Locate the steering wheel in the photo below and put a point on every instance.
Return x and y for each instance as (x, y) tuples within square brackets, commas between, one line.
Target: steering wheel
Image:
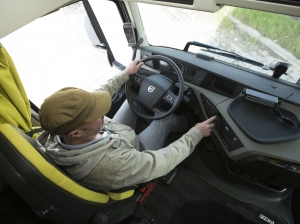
[(153, 90)]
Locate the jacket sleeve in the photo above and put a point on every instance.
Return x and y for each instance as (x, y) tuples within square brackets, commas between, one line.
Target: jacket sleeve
[(114, 84), (138, 167)]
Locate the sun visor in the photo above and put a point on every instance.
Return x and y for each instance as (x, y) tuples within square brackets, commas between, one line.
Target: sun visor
[(15, 14), (286, 7)]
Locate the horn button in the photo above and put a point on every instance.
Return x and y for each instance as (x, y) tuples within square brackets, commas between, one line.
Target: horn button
[(152, 89)]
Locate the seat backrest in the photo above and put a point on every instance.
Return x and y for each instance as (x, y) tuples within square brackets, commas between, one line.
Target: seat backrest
[(48, 190)]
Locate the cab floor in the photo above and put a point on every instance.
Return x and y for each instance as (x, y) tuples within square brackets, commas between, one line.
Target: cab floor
[(190, 199), (13, 210)]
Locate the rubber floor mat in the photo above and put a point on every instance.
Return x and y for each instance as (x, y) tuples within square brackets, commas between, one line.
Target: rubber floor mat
[(191, 199)]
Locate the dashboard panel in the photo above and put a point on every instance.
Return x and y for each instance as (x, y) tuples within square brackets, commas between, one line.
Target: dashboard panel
[(204, 79), (216, 85), (210, 73)]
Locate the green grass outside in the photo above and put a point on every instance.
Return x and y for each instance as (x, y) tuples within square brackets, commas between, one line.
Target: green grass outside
[(282, 28)]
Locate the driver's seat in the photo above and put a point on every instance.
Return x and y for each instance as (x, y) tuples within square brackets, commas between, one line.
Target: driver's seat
[(51, 193), (48, 190)]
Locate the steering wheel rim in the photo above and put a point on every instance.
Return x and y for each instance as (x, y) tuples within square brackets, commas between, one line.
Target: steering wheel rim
[(163, 92)]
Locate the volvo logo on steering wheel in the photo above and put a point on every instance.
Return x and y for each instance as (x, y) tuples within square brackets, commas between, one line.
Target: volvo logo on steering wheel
[(151, 89)]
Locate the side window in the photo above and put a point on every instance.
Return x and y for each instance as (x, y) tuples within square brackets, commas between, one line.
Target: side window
[(48, 56), (111, 24), (80, 24)]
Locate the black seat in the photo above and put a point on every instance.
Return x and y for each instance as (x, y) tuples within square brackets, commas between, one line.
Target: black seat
[(51, 193), (48, 190)]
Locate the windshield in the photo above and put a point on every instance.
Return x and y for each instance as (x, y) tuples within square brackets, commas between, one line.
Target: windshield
[(267, 38)]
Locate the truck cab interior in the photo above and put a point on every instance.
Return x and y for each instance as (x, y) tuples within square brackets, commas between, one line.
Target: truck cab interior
[(237, 60)]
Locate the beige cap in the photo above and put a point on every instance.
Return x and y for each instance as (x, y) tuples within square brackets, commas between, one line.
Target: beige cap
[(69, 108)]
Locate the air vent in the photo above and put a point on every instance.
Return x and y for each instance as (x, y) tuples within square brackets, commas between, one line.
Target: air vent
[(284, 2), (184, 2)]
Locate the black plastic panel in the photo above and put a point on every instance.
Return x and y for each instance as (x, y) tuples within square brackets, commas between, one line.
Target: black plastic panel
[(260, 124), (224, 131), (258, 169)]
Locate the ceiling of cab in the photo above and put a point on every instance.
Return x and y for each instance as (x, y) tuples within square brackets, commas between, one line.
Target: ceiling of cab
[(15, 14)]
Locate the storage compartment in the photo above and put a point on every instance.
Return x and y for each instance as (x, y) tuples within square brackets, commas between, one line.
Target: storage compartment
[(267, 172)]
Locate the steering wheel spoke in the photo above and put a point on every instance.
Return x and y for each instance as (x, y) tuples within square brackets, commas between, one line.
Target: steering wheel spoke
[(170, 97), (137, 78), (157, 111)]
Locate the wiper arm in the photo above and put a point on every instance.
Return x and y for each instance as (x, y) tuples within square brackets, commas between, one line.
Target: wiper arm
[(227, 54), (195, 43)]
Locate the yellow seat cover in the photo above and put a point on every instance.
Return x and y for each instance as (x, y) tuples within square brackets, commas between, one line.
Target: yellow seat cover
[(14, 104)]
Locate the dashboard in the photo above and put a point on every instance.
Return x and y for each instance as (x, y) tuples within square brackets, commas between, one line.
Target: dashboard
[(248, 138), (221, 77)]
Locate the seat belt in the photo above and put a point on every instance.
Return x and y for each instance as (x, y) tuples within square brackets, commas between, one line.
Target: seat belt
[(118, 96), (33, 131), (34, 107)]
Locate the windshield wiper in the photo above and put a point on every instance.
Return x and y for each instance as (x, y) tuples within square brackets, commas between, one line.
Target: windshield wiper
[(227, 54), (240, 58)]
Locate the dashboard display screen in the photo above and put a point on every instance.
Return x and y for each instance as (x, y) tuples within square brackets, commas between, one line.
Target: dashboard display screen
[(224, 85)]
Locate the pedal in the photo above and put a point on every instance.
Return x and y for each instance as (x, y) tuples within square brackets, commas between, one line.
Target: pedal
[(167, 179)]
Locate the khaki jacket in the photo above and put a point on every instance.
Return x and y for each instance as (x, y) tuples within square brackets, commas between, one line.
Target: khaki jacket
[(115, 161)]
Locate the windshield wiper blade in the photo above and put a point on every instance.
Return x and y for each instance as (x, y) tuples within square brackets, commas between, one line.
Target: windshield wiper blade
[(240, 58), (227, 54)]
